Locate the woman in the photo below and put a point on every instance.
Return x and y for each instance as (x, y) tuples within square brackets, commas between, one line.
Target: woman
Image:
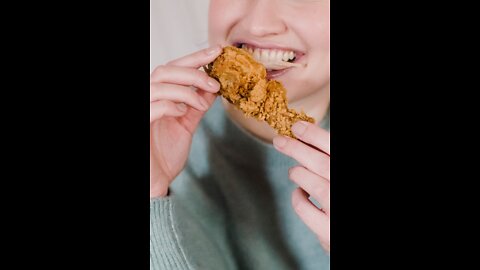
[(223, 187)]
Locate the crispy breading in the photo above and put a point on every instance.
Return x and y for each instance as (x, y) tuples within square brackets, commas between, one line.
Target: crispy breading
[(244, 83)]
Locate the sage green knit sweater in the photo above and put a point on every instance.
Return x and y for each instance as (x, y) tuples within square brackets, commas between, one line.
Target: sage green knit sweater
[(230, 208)]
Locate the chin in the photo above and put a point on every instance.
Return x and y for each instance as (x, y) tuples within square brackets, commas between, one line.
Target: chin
[(293, 96), (293, 91)]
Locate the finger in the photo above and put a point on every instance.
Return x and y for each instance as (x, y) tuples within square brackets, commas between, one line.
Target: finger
[(198, 59), (325, 243), (184, 76), (162, 108), (315, 185), (193, 117), (178, 93), (315, 219), (312, 134), (314, 160)]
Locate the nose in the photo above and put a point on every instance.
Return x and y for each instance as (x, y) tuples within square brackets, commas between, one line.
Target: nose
[(263, 19)]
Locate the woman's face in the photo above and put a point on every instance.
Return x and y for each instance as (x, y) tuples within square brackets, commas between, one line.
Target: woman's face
[(301, 26)]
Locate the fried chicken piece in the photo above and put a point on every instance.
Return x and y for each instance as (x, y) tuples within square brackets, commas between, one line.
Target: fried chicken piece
[(244, 84)]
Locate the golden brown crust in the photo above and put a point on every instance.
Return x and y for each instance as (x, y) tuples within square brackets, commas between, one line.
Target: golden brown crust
[(244, 84)]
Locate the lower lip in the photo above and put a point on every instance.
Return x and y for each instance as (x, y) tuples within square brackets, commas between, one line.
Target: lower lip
[(276, 73)]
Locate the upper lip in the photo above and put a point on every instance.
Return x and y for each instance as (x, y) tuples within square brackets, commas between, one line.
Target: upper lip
[(268, 45)]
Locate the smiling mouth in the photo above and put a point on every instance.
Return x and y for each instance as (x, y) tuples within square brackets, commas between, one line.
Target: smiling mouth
[(272, 59)]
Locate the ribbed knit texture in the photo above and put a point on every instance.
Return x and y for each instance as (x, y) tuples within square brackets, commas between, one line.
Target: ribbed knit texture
[(165, 250), (230, 208)]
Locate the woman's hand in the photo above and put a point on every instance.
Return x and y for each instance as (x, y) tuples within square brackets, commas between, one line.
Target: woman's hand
[(180, 94), (312, 151)]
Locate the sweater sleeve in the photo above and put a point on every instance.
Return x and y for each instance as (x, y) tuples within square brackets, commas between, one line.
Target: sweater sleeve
[(165, 249), (187, 230)]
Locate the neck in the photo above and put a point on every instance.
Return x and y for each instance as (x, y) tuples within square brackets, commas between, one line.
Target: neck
[(315, 105)]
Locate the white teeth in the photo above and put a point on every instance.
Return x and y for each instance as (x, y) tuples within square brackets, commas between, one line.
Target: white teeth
[(268, 55), (278, 56), (272, 55), (264, 55), (256, 54)]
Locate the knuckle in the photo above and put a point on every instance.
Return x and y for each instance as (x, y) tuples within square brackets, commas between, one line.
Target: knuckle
[(308, 129), (154, 91), (326, 170), (152, 94), (191, 98), (157, 72), (287, 146), (160, 105), (200, 79), (321, 165), (153, 87), (298, 204), (159, 69), (165, 104), (298, 207), (322, 190), (171, 62), (295, 172), (157, 111), (292, 172)]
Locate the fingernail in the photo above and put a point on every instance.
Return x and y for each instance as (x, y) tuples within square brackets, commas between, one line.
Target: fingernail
[(213, 50), (213, 84), (182, 107), (204, 103), (279, 141), (299, 128)]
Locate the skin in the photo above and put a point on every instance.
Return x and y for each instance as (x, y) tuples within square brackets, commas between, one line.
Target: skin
[(303, 25), (299, 24)]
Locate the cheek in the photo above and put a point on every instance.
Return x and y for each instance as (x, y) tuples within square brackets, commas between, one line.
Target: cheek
[(316, 36), (216, 17), (314, 30), (304, 83), (222, 16)]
